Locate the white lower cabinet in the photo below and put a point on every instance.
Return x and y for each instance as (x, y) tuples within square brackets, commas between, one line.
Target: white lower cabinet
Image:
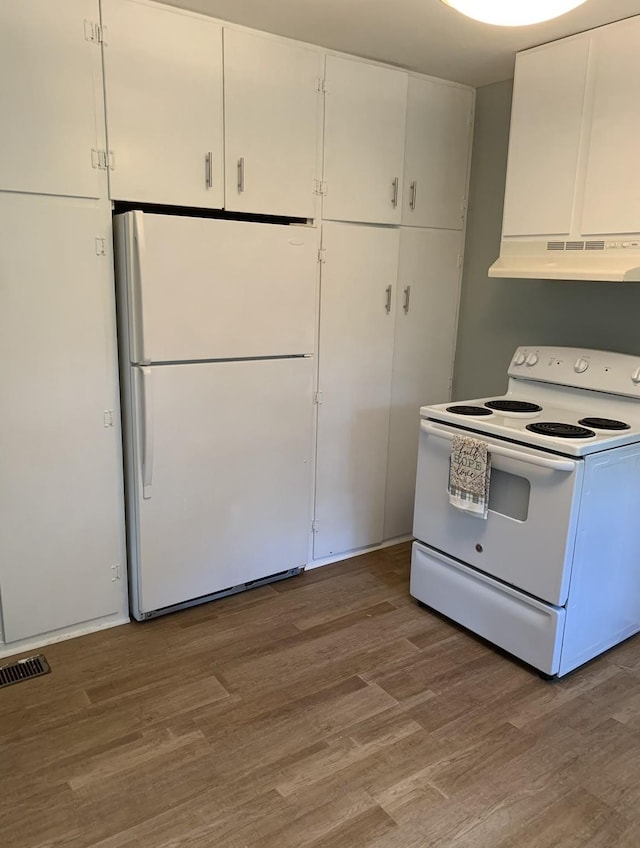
[(62, 558), (425, 332), (357, 305), (388, 311)]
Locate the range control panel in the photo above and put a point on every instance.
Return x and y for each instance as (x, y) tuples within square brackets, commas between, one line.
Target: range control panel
[(598, 370)]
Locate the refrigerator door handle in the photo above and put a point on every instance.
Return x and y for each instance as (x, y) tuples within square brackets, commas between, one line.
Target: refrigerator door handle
[(136, 300), (147, 432)]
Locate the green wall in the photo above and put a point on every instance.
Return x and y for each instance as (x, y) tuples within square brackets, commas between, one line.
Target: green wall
[(498, 315)]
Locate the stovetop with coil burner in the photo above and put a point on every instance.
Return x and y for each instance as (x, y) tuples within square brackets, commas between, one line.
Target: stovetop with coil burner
[(563, 400)]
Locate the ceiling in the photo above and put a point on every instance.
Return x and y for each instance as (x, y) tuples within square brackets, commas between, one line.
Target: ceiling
[(422, 35)]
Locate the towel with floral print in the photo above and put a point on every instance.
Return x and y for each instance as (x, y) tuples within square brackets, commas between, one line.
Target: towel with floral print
[(470, 476)]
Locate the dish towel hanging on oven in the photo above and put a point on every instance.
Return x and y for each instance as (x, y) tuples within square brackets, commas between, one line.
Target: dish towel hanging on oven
[(470, 476)]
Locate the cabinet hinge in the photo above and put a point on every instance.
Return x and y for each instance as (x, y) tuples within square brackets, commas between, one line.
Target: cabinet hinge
[(319, 187), (460, 261), (93, 32), (115, 573), (322, 254), (108, 418), (315, 525), (101, 246), (104, 160), (321, 85), (317, 398)]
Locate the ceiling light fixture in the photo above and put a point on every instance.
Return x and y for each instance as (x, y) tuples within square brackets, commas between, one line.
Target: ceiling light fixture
[(508, 13)]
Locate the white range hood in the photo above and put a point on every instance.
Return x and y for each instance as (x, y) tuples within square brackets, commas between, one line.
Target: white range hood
[(604, 259)]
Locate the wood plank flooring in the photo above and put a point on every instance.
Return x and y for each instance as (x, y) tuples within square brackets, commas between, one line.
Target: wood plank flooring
[(326, 711)]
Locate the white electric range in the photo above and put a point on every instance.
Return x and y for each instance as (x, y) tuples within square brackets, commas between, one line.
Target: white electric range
[(553, 574)]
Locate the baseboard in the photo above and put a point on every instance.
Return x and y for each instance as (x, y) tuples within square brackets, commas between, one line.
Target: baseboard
[(388, 543), (45, 639)]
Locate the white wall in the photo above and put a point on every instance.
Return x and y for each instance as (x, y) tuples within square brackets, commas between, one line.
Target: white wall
[(498, 315)]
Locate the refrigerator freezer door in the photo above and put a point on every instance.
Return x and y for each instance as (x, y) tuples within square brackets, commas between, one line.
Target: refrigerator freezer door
[(202, 289), (228, 497)]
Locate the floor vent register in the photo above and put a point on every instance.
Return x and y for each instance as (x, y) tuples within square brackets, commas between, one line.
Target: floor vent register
[(24, 669)]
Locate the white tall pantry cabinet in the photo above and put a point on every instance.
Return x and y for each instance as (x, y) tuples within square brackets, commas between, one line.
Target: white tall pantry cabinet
[(389, 301), (356, 353), (61, 522), (62, 556), (198, 114), (426, 313)]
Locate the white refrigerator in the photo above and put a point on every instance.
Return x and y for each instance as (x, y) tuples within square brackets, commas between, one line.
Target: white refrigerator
[(217, 331)]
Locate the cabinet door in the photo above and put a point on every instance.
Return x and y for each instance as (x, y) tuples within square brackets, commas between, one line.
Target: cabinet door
[(163, 77), (425, 334), (356, 350), (612, 200), (51, 98), (271, 115), (436, 164), (364, 128), (546, 124), (61, 510)]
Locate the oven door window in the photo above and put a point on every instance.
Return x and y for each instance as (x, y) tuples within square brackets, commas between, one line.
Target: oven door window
[(509, 495)]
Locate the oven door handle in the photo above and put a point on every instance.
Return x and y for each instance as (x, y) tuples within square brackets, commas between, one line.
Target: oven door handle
[(542, 461)]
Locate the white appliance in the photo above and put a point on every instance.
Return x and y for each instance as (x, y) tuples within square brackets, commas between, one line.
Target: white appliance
[(217, 330), (553, 574), (613, 259)]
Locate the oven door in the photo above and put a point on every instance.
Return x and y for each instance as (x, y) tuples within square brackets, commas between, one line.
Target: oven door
[(528, 537)]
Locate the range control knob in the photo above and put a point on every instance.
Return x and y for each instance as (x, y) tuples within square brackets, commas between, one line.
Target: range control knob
[(532, 359), (519, 358), (636, 376), (581, 365)]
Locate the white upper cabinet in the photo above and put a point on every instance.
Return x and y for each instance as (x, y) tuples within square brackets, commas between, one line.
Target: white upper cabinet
[(544, 145), (272, 113), (364, 131), (611, 196), (436, 164), (163, 76), (51, 98)]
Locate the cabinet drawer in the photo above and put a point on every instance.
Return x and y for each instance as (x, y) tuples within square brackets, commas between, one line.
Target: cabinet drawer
[(524, 627)]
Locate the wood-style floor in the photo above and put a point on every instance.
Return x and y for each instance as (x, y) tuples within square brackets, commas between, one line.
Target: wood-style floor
[(326, 710)]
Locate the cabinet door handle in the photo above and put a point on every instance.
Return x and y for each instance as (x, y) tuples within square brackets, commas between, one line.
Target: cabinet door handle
[(407, 297), (414, 192), (387, 306), (395, 185), (241, 175), (209, 169)]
